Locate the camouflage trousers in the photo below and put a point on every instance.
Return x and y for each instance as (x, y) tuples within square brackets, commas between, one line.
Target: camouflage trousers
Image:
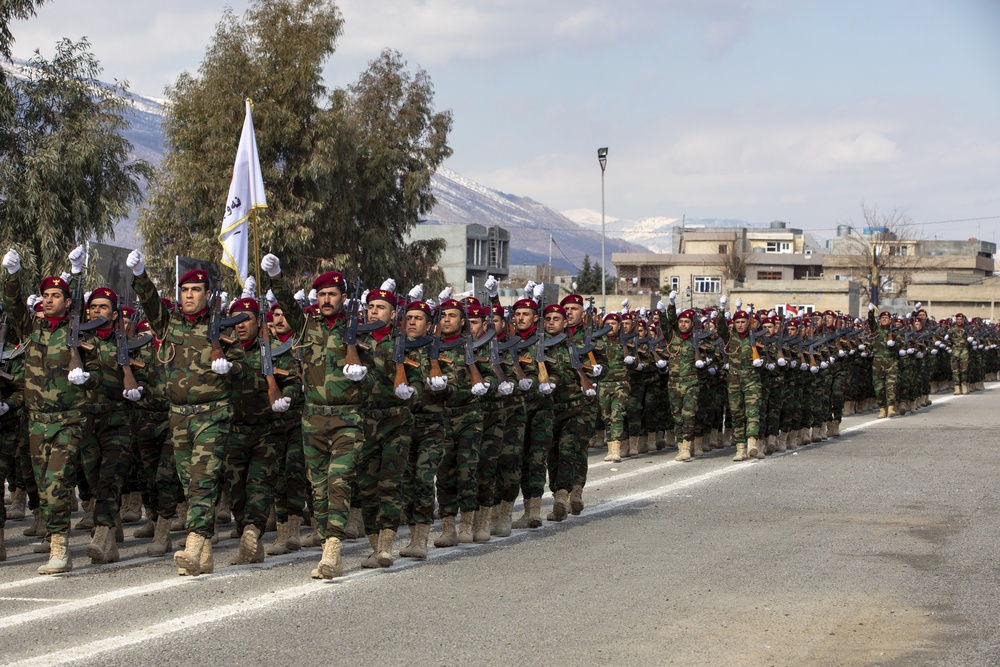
[(332, 436), (773, 397), (511, 452), (744, 403), (885, 373), (250, 473), (684, 392), (10, 432), (291, 489), (106, 454), (487, 473), (838, 376), (587, 426), (537, 442), (959, 365), (163, 487), (54, 441), (567, 440), (423, 460), (457, 486), (652, 407), (382, 465), (199, 434), (613, 397), (633, 408), (820, 397)]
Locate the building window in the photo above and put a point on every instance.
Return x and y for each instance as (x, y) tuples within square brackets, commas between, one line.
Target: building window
[(769, 275), (707, 284), (842, 276), (778, 246), (675, 283), (723, 249)]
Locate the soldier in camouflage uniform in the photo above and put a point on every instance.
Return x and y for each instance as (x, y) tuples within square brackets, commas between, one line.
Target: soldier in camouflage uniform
[(56, 398), (332, 425), (199, 388), (682, 353), (11, 413), (885, 364), (744, 389), (613, 388), (958, 340)]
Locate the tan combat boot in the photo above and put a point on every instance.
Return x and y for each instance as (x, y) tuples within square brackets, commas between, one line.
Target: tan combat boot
[(642, 444), (87, 521), (448, 536), (599, 439), (131, 511), (147, 529), (481, 526), (965, 388), (18, 505), (330, 564), (782, 444), (727, 438), (741, 452), (188, 561), (683, 451), (770, 444), (280, 545), (417, 548), (37, 527), (633, 445), (614, 451), (179, 522), (834, 429), (715, 439), (386, 537), (560, 506), (848, 408), (890, 411), (503, 525), (465, 530), (882, 413), (251, 549), (223, 514), (660, 440), (535, 513), (355, 526), (752, 449), (98, 544), (576, 500), (292, 539), (958, 389), (697, 448), (671, 439), (59, 557), (372, 560), (161, 538), (311, 538), (522, 522), (405, 551)]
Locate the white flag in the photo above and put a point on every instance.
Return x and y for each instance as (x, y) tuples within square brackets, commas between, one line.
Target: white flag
[(246, 193)]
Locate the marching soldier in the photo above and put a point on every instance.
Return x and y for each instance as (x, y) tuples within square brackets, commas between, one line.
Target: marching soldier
[(744, 380), (885, 365)]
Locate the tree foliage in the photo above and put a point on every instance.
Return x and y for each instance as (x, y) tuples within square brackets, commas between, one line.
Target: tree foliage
[(887, 247), (10, 10), (346, 172), (588, 281), (66, 174)]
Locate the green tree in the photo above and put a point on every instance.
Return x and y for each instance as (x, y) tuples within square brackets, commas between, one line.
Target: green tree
[(66, 174), (584, 281), (10, 10), (346, 172)]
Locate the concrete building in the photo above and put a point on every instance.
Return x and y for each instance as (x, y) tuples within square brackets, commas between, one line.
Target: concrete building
[(472, 252), (801, 296)]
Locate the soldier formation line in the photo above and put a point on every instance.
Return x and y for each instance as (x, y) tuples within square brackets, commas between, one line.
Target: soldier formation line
[(348, 413)]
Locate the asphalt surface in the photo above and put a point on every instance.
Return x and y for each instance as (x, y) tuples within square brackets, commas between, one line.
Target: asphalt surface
[(876, 548)]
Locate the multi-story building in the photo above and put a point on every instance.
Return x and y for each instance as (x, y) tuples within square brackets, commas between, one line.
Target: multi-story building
[(472, 252)]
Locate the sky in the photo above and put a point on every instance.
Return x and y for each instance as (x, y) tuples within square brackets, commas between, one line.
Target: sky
[(759, 110)]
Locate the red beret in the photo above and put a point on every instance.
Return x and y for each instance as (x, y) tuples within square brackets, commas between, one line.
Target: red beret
[(269, 316), (686, 314), (143, 327), (451, 304), (167, 302), (886, 313), (194, 276), (330, 279), (554, 308), (957, 315), (741, 315), (477, 310), (53, 282), (128, 311), (422, 306), (471, 301), (829, 312), (311, 310), (381, 295), (37, 307), (498, 310), (572, 298), (628, 316), (612, 316), (104, 293), (244, 304), (526, 303)]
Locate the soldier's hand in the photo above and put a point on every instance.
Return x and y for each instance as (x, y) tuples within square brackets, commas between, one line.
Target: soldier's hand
[(32, 300), (871, 307), (355, 373), (529, 289), (770, 366), (444, 294), (722, 300), (589, 392), (281, 405), (221, 366), (660, 306), (132, 394), (404, 392), (505, 388), (814, 369), (625, 304), (539, 291), (629, 360), (492, 286), (480, 389), (640, 366), (4, 408), (824, 365), (417, 293), (312, 296), (271, 265), (891, 343), (597, 370), (78, 376), (661, 363), (300, 295), (437, 383), (77, 256), (12, 261), (545, 388), (134, 261), (525, 384), (249, 288), (672, 297), (757, 363), (698, 363), (782, 362), (916, 308)]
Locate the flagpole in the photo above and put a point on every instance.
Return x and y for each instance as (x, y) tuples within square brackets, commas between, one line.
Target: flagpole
[(256, 252)]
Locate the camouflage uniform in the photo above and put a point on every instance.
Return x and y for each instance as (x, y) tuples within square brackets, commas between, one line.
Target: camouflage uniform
[(568, 433), (885, 366), (11, 393), (493, 407), (509, 458), (457, 486), (613, 389), (291, 486), (684, 384), (958, 340), (426, 447), (152, 438), (537, 432), (743, 380)]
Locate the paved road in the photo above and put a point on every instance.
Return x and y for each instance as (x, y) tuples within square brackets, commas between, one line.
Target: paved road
[(877, 548)]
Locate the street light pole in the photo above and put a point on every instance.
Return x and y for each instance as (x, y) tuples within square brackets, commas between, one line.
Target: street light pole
[(602, 157)]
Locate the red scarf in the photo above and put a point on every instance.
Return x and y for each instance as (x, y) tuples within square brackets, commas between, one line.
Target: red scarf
[(379, 334), (54, 321)]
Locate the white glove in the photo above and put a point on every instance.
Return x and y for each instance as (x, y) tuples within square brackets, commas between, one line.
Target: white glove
[(12, 261), (672, 297), (249, 288), (642, 311), (699, 363), (910, 350), (300, 295), (389, 285), (861, 346), (480, 389), (545, 388), (891, 343), (589, 392), (4, 408), (770, 366), (947, 336), (32, 300), (840, 353), (270, 264), (917, 306), (539, 291), (505, 388), (78, 376), (852, 352), (445, 294), (934, 351), (281, 405), (629, 360), (814, 369), (625, 305), (135, 262), (132, 394), (525, 384), (437, 383), (77, 256), (529, 288), (417, 293), (221, 366), (722, 300), (871, 307), (970, 339), (920, 355), (597, 370), (355, 373), (364, 296), (782, 362), (404, 392), (739, 303), (757, 363), (312, 296), (823, 364), (660, 306), (661, 363), (902, 353), (640, 366), (492, 286), (712, 370)]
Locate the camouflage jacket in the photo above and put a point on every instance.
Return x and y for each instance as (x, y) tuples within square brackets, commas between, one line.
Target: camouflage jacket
[(251, 404), (611, 355), (681, 349), (958, 338), (738, 348), (561, 373), (459, 392), (151, 377), (383, 374), (108, 394), (880, 337), (424, 401), (186, 353), (287, 372), (46, 359), (12, 391)]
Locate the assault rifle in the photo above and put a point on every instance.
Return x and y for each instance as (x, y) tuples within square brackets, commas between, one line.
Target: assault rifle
[(121, 348), (217, 322), (3, 344), (543, 372), (399, 342), (267, 357), (76, 326), (494, 350)]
